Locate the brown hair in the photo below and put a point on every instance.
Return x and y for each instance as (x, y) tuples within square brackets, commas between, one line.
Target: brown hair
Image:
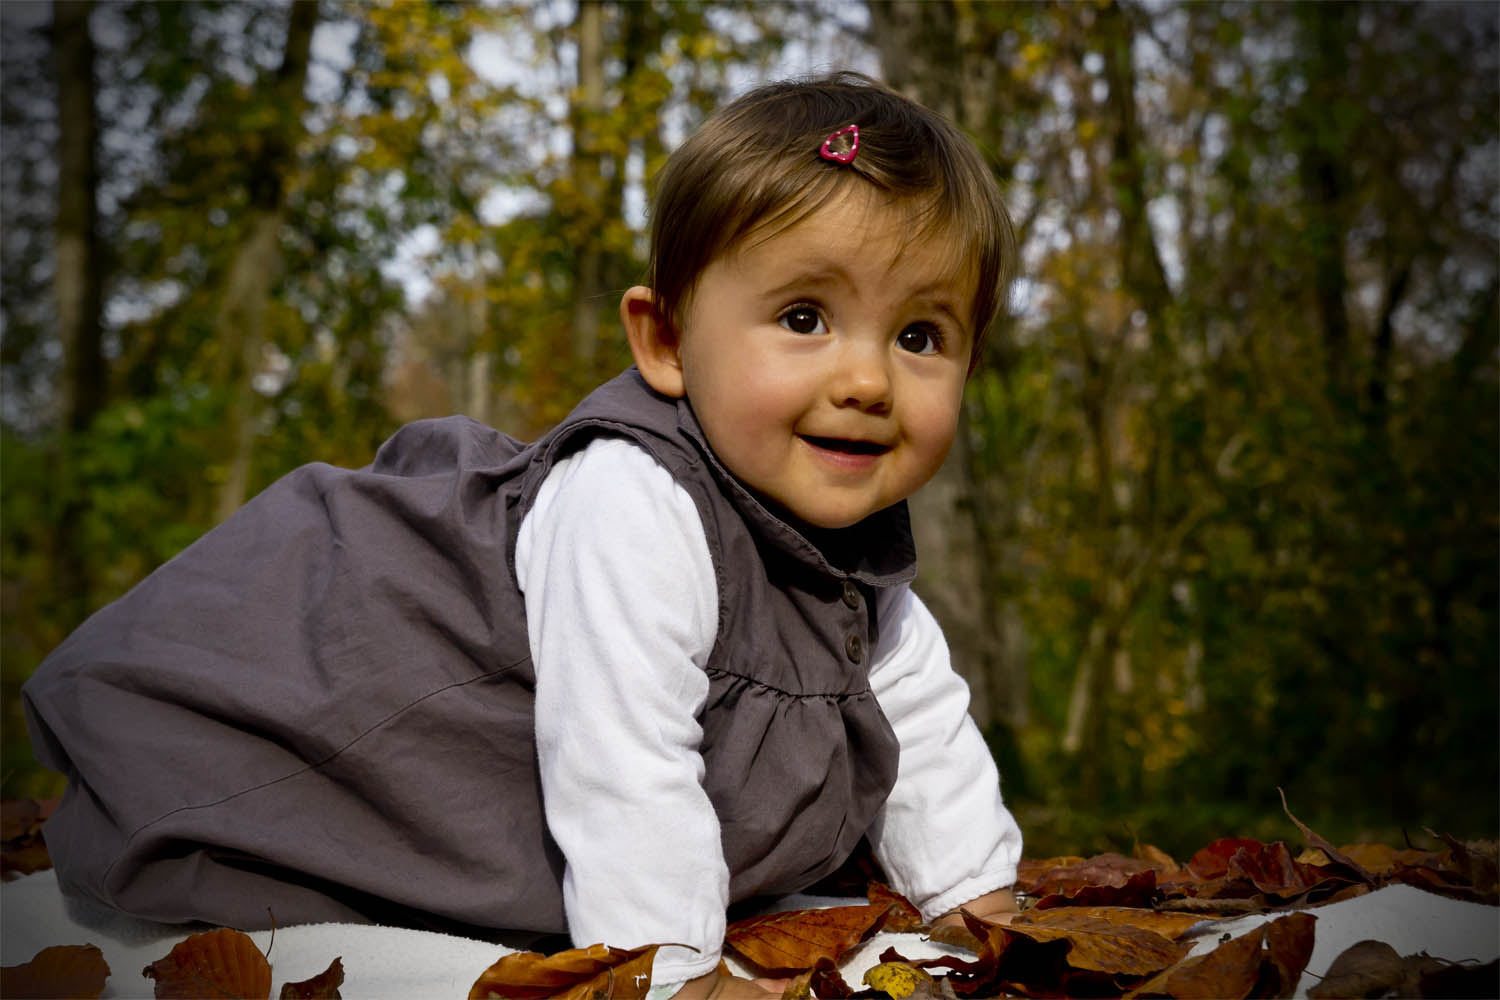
[(755, 165)]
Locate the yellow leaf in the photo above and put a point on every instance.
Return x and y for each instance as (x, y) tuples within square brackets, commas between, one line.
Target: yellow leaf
[(897, 980)]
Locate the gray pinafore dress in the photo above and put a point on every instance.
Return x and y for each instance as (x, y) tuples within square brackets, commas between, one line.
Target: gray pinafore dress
[(323, 708)]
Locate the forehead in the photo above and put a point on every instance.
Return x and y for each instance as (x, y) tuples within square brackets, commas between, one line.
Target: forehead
[(863, 230)]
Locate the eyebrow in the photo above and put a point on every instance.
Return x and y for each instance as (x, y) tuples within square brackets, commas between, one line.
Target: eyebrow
[(830, 274)]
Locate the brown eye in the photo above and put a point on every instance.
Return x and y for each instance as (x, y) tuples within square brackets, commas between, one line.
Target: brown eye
[(919, 338), (802, 319)]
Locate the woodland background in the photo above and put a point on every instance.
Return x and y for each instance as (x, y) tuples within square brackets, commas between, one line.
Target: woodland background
[(1223, 515)]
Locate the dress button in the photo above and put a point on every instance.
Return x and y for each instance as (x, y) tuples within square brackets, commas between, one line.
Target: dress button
[(854, 646), (851, 594)]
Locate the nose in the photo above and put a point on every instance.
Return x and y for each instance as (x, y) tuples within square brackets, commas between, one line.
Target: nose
[(863, 380)]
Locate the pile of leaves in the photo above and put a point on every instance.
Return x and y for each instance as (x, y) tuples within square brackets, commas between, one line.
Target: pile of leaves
[(1109, 925), (216, 963)]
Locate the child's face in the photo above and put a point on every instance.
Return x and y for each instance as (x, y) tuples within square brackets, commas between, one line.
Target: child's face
[(826, 364)]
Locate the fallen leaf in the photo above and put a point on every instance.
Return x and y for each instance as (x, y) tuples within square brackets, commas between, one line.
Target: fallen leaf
[(1478, 862), (1101, 870), (1213, 861), (324, 986), (1169, 925), (798, 987), (1289, 946), (77, 970), (577, 974), (1334, 854), (900, 916), (1368, 968), (797, 939), (1213, 906), (898, 980), (955, 936), (827, 983), (1458, 979), (217, 963), (1380, 859), (22, 847), (1265, 962), (1229, 972), (1030, 872), (1167, 868), (1138, 889), (1100, 946)]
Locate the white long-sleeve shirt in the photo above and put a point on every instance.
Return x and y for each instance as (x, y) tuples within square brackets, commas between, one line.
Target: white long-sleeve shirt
[(622, 612)]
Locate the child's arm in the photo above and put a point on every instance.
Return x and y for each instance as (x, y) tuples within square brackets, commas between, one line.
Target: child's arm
[(612, 560), (944, 835)]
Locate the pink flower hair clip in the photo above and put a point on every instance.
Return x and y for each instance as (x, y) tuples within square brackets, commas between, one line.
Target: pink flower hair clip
[(842, 146)]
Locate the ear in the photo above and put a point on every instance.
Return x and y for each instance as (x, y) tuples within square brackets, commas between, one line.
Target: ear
[(654, 344)]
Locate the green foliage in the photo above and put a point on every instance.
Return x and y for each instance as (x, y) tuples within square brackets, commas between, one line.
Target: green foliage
[(1258, 497), (1238, 444)]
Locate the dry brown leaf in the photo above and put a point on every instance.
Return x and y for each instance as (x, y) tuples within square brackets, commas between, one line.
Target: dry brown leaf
[(1214, 906), (1461, 979), (77, 971), (217, 963), (1374, 968), (1167, 868), (1337, 856), (22, 847), (955, 936), (324, 986), (1101, 870), (798, 987), (1369, 968), (1213, 861), (1099, 945), (1029, 873), (1381, 859), (900, 916), (827, 983), (1478, 862), (1289, 946), (1265, 962), (796, 939), (597, 970), (1138, 889), (1229, 972), (1169, 925)]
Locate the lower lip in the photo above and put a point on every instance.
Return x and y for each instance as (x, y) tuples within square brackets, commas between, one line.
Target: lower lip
[(851, 461)]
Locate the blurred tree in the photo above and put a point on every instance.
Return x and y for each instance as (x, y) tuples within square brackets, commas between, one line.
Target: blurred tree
[(255, 261), (78, 278), (1222, 515), (1205, 457)]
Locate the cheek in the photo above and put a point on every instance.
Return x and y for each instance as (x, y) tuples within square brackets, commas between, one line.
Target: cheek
[(932, 429)]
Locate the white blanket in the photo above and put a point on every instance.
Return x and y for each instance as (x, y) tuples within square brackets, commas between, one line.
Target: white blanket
[(403, 964)]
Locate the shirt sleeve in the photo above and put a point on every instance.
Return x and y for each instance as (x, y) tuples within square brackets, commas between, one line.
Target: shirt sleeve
[(622, 612), (944, 835)]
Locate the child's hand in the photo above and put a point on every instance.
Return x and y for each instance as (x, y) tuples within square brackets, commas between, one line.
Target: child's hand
[(716, 987), (998, 907)]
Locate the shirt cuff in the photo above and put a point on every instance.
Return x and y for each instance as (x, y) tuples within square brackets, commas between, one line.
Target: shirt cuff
[(967, 891), (678, 964)]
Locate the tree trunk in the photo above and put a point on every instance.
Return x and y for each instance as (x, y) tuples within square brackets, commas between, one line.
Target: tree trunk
[(1325, 177), (256, 264), (78, 282), (77, 286), (929, 51), (588, 256)]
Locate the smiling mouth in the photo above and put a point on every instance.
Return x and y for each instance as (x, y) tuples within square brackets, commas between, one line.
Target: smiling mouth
[(847, 447)]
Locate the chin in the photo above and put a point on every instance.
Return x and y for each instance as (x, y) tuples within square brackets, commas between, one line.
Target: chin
[(831, 520)]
